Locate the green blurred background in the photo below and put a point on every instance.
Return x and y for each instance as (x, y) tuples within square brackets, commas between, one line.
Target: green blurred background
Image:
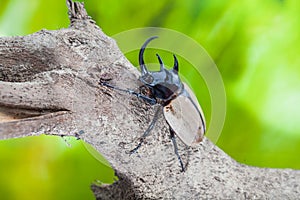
[(255, 45)]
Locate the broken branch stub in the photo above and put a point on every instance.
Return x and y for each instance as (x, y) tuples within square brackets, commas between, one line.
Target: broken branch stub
[(49, 85)]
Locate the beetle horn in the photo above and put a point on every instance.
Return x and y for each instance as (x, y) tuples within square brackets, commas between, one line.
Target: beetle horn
[(141, 56), (162, 67), (176, 66)]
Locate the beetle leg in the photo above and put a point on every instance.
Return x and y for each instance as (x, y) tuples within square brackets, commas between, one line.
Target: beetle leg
[(150, 100), (147, 132), (176, 148)]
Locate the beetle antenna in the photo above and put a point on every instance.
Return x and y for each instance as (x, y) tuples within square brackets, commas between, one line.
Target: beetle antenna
[(162, 67), (176, 66), (141, 55)]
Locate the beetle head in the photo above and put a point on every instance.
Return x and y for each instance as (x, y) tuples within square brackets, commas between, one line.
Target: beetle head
[(164, 84)]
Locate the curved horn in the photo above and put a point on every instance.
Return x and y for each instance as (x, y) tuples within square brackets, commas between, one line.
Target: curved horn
[(176, 66), (141, 56), (162, 67)]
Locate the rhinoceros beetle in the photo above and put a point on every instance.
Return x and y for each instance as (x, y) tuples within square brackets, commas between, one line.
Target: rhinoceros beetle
[(179, 105)]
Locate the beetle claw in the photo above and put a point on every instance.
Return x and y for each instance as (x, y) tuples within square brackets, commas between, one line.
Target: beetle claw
[(102, 80)]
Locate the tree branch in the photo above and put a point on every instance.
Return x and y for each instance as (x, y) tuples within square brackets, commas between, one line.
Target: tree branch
[(49, 84)]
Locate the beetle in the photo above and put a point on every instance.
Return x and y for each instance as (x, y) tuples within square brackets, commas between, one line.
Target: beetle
[(178, 103)]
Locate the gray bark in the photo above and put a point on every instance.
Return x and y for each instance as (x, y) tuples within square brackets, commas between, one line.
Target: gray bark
[(49, 85)]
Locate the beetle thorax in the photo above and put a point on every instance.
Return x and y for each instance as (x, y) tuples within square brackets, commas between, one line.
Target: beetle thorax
[(164, 85)]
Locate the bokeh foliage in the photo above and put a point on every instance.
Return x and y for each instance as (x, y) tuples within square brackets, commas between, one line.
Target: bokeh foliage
[(49, 167), (255, 45)]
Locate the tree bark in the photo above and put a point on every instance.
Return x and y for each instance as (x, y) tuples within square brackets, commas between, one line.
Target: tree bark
[(49, 85)]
